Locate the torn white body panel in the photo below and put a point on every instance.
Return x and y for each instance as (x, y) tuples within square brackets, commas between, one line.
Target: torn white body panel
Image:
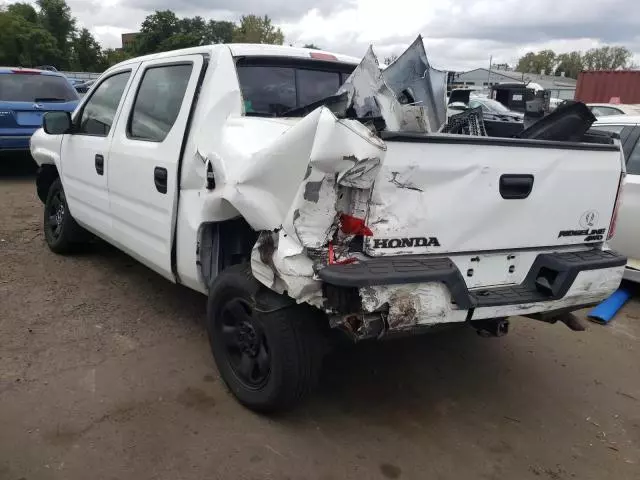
[(263, 184)]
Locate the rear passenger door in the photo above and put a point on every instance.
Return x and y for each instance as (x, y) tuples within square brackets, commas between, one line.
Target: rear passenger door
[(144, 158)]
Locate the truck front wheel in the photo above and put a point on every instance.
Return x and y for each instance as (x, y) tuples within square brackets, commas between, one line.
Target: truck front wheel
[(61, 231), (268, 351)]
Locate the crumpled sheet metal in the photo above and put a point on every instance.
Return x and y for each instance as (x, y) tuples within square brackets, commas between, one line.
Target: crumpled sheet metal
[(291, 178), (291, 189), (411, 71), (279, 262), (412, 305), (373, 92)]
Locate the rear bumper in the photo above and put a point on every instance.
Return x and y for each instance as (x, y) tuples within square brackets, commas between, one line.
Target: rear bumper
[(414, 286), (632, 275), (14, 142)]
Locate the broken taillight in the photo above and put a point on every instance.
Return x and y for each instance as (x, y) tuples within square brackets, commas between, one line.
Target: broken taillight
[(614, 217), (332, 257), (351, 225)]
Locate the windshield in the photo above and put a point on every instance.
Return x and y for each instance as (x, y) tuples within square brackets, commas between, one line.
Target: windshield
[(35, 87), (273, 90), (493, 105)]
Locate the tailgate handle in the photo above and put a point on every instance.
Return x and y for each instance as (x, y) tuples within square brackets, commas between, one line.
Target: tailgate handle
[(515, 186)]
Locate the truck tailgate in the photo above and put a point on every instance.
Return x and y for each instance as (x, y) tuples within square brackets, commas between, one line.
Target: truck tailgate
[(447, 194)]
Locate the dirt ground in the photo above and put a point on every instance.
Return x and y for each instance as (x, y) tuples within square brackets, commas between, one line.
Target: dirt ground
[(105, 373)]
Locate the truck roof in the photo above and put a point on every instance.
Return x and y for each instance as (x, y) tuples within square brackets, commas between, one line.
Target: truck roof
[(251, 50)]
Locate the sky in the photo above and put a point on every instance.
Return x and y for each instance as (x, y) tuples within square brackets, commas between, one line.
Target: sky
[(458, 34)]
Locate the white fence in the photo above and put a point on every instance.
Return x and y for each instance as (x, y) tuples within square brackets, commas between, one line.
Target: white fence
[(81, 75)]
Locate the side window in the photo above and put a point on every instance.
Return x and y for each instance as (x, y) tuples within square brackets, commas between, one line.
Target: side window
[(622, 130), (476, 104), (158, 101), (633, 163), (98, 113), (605, 111)]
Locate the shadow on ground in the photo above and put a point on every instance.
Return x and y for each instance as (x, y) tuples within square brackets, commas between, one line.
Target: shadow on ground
[(16, 165)]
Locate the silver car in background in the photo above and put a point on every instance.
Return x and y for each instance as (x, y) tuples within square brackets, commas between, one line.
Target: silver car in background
[(627, 238)]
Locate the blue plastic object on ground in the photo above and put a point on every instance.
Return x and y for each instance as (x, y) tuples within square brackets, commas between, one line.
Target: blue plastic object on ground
[(608, 308)]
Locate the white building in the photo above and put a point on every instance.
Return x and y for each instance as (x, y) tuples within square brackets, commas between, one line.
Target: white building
[(481, 79)]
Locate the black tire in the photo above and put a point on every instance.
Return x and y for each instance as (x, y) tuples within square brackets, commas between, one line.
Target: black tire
[(61, 232), (276, 366)]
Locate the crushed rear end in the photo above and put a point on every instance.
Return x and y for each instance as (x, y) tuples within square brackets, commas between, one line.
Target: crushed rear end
[(371, 215)]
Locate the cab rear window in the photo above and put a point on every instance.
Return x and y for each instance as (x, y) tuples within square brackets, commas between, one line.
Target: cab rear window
[(273, 89)]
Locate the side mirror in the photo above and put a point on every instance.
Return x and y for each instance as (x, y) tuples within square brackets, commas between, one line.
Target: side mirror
[(56, 123)]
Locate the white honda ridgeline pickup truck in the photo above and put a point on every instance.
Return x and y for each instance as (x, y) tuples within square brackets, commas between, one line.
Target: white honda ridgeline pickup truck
[(313, 195)]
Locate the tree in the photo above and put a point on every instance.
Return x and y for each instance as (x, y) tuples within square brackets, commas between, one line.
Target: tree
[(254, 29), (23, 43), (163, 30), (219, 32), (607, 58), (55, 17), (541, 62), (156, 29), (24, 10), (111, 56), (571, 64), (87, 54)]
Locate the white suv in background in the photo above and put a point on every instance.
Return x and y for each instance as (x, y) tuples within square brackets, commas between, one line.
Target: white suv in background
[(608, 109), (627, 238)]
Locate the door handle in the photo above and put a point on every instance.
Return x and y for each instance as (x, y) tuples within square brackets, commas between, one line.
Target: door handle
[(99, 164), (515, 186), (160, 179)]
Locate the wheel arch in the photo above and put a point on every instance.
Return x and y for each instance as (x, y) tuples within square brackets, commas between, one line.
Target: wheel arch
[(45, 176), (222, 244)]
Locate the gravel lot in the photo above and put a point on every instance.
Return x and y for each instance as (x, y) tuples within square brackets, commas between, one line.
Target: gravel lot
[(105, 373)]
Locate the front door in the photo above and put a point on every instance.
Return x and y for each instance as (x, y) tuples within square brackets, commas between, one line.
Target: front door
[(84, 153), (144, 158)]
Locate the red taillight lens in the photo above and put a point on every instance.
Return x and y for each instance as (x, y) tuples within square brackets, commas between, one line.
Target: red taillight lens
[(24, 71), (323, 56), (614, 217), (354, 226)]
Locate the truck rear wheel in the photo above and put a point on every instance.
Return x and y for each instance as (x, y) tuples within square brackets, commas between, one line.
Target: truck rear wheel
[(61, 232), (268, 351)]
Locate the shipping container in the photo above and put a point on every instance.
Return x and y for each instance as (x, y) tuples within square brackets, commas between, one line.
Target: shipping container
[(602, 86)]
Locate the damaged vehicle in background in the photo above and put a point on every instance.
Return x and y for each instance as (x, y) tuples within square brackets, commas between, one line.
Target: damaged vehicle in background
[(311, 195), (499, 121)]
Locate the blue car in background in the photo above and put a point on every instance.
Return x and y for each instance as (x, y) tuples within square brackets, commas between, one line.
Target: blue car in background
[(25, 96)]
